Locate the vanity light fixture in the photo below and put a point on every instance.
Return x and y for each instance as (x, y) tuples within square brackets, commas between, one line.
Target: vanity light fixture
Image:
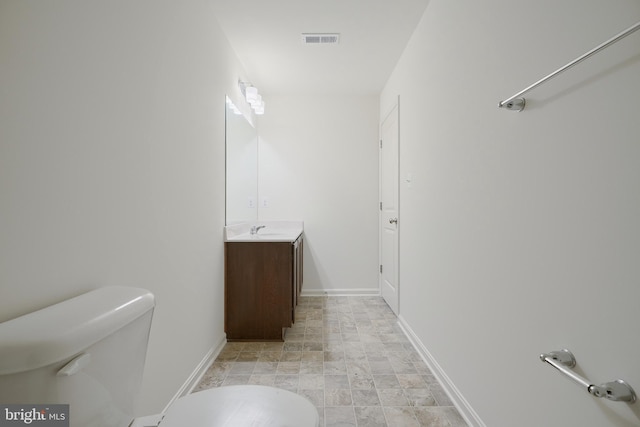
[(252, 96)]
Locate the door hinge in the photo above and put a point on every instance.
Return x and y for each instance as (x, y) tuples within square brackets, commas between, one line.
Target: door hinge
[(380, 205), (380, 268), (380, 143)]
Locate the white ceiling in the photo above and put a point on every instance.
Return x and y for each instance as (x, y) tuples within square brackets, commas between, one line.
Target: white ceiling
[(266, 35)]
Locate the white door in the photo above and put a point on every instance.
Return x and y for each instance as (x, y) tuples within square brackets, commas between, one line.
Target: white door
[(389, 209)]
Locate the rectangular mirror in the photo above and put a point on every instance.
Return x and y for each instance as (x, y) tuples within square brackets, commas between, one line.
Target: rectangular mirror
[(241, 167)]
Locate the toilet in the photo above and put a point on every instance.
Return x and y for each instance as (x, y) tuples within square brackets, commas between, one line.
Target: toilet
[(89, 352)]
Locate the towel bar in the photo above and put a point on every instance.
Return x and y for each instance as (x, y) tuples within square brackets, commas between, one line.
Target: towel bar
[(563, 360), (515, 103)]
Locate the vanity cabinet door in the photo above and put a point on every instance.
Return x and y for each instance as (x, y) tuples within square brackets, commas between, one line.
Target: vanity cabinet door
[(294, 277), (299, 264), (296, 289), (263, 281), (258, 284)]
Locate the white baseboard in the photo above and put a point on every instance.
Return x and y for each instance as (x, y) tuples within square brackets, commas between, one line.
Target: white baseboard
[(467, 412), (198, 372), (362, 292)]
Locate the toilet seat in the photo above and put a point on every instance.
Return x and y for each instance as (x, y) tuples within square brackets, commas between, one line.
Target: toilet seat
[(240, 406)]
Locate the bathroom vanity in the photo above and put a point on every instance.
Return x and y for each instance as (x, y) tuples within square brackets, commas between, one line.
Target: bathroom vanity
[(263, 279)]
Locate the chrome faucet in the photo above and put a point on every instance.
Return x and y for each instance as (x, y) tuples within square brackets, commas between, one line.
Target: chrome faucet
[(256, 228)]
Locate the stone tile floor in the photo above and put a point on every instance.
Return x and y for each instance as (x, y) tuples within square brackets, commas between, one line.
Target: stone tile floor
[(349, 357)]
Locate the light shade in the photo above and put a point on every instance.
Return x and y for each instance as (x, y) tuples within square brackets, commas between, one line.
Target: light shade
[(251, 93), (254, 99)]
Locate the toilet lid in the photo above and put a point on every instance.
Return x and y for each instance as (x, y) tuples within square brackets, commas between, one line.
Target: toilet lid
[(240, 406)]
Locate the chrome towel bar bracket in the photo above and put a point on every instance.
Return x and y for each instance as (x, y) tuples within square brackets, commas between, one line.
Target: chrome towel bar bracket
[(563, 361)]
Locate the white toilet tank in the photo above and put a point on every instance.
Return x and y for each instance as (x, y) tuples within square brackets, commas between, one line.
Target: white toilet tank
[(88, 352)]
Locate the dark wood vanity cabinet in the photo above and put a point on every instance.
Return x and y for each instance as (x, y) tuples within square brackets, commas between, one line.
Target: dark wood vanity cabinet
[(263, 281)]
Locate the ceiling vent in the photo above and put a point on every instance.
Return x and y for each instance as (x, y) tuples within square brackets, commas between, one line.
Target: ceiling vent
[(320, 38)]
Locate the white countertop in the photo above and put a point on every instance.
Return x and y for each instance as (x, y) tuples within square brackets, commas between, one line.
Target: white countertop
[(273, 231)]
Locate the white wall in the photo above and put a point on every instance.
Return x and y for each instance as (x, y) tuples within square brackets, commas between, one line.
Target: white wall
[(318, 163), (112, 165), (520, 234)]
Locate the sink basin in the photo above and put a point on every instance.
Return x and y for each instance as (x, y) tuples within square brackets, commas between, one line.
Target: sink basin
[(275, 231), (278, 236)]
